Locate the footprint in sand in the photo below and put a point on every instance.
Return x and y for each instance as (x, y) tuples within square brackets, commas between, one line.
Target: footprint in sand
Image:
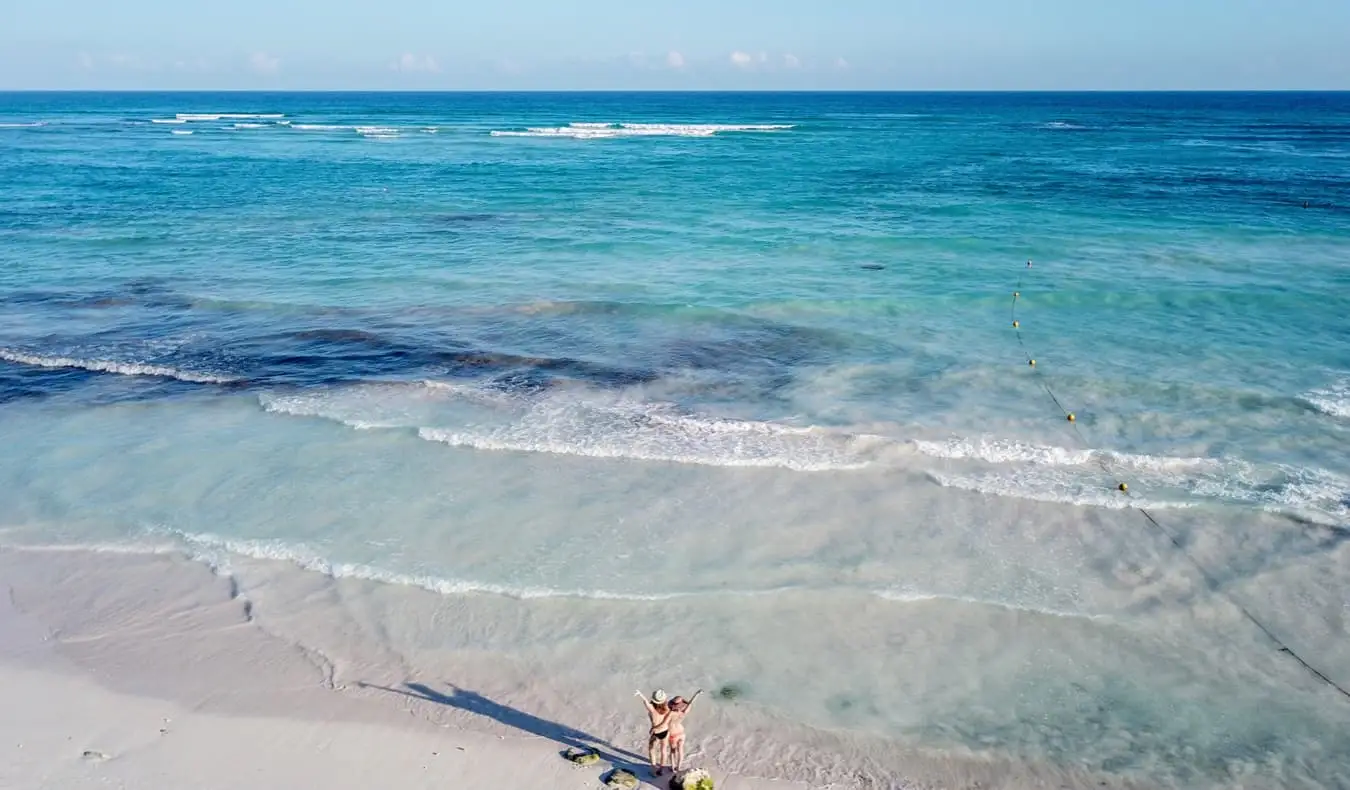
[(95, 756)]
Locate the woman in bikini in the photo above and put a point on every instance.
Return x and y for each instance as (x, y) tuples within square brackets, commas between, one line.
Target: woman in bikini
[(679, 708), (660, 713)]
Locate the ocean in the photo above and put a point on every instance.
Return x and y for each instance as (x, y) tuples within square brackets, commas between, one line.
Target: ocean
[(724, 389)]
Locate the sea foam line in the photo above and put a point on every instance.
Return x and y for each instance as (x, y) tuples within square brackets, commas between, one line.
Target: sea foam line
[(1047, 491), (588, 131), (214, 551), (107, 366), (1005, 451), (207, 548), (618, 451), (901, 595), (569, 425), (232, 116)]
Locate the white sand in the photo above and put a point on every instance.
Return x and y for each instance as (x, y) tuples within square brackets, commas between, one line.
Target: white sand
[(225, 705)]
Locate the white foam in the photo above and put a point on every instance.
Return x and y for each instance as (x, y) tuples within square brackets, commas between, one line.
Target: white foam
[(377, 132), (181, 131), (1319, 495), (1005, 451), (1063, 125), (250, 126), (906, 595), (29, 125), (1057, 490), (587, 424), (108, 366), (211, 549), (1333, 400), (591, 131), (96, 548), (231, 116), (173, 121)]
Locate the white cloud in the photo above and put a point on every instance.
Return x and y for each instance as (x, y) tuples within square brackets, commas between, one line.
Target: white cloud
[(791, 61), (741, 59), (411, 64), (85, 60), (675, 60), (840, 63), (263, 63)]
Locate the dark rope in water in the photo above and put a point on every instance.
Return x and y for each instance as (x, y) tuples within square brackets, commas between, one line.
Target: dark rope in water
[(1211, 582)]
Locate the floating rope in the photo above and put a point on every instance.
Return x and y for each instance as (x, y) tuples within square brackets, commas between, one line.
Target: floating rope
[(1212, 583)]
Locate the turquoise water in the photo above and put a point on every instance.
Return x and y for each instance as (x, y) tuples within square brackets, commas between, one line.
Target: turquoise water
[(447, 341)]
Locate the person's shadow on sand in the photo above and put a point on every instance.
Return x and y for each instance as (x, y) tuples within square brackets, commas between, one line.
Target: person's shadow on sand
[(476, 703)]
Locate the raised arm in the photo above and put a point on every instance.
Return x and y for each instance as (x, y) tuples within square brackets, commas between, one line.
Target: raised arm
[(645, 703), (691, 699)]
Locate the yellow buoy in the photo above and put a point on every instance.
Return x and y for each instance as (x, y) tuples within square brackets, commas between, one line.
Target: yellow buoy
[(1016, 294), (1031, 362), (1015, 324), (1071, 417), (1124, 487)]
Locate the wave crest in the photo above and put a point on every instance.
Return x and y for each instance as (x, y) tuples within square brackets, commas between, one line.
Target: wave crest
[(591, 131), (1333, 400), (110, 366), (580, 424)]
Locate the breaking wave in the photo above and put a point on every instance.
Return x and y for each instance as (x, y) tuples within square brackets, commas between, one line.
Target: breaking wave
[(591, 425), (1333, 400), (590, 131), (110, 366)]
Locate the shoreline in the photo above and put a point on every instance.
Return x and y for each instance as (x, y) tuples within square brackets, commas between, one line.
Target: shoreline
[(107, 640)]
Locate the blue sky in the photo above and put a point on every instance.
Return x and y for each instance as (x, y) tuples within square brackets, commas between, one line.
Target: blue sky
[(695, 44)]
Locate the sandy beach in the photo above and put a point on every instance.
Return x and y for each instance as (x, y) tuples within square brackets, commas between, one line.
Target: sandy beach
[(140, 671), (189, 690)]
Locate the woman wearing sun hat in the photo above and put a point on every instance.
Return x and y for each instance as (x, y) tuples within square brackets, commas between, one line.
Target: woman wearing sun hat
[(659, 712)]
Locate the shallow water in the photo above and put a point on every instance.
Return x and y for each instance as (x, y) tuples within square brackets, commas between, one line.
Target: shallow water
[(761, 343)]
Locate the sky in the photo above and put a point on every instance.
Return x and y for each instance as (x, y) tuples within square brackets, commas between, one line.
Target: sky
[(688, 45)]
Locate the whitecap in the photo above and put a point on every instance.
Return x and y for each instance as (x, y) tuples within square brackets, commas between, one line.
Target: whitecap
[(110, 366), (231, 116), (591, 131), (377, 132), (1333, 400)]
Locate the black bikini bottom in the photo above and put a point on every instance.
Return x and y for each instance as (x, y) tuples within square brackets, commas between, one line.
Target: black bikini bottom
[(661, 736)]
